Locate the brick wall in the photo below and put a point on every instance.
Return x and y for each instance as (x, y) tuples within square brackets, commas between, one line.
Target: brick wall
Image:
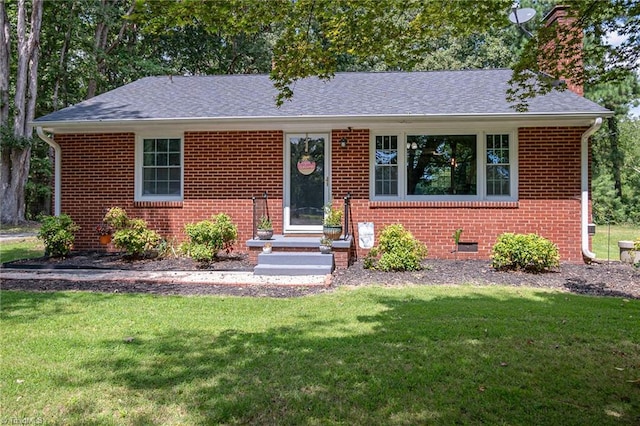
[(223, 170)]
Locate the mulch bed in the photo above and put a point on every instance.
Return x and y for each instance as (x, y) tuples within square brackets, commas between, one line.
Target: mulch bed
[(600, 279)]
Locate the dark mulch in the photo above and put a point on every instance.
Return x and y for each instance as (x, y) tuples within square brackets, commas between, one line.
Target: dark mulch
[(600, 279)]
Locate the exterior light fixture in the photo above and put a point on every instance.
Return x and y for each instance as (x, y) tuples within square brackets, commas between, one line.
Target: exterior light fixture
[(343, 142)]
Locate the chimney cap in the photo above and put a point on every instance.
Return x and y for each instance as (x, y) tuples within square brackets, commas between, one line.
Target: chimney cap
[(558, 11)]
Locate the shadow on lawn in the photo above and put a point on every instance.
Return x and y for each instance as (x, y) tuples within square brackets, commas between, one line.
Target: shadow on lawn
[(444, 361), (24, 307)]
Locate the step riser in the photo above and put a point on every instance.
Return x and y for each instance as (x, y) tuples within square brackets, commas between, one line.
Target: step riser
[(290, 270), (275, 258)]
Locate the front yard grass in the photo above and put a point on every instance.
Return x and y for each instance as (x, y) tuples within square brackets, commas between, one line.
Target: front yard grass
[(23, 248), (605, 242), (412, 355)]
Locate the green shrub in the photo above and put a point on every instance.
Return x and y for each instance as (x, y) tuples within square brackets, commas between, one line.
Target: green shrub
[(397, 250), (208, 237), (528, 252), (131, 235), (116, 217), (636, 248), (58, 234), (136, 239)]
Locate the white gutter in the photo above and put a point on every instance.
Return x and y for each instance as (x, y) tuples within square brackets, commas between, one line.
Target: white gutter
[(57, 170), (584, 186)]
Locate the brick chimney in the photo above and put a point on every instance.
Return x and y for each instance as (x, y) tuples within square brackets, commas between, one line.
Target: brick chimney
[(561, 43)]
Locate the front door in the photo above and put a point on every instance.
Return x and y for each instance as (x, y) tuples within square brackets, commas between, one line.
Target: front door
[(306, 182)]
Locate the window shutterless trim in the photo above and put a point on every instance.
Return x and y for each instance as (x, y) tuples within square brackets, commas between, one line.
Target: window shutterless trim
[(481, 164), (139, 163)]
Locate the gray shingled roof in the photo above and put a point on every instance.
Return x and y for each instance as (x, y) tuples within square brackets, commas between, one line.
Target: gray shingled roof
[(473, 92)]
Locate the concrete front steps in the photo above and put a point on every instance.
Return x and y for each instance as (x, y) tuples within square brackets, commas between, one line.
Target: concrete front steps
[(294, 263), (300, 255)]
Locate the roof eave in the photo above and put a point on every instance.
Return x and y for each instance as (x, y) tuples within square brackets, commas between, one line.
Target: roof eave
[(125, 125)]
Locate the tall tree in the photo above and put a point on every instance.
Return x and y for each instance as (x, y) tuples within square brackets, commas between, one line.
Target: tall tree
[(16, 136)]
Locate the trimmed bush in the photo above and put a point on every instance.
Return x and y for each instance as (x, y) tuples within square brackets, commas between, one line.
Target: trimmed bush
[(208, 237), (131, 235), (58, 234), (527, 252), (397, 250), (137, 239)]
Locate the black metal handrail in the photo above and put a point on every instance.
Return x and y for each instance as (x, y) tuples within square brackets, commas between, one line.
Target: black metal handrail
[(257, 217), (347, 211)]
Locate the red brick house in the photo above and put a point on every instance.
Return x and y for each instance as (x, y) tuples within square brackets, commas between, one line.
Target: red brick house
[(435, 151)]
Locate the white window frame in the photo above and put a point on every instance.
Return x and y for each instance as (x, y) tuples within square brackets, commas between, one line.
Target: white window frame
[(481, 151), (139, 166)]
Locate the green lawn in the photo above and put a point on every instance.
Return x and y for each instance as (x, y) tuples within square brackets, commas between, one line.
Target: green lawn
[(605, 242), (23, 248), (392, 356)]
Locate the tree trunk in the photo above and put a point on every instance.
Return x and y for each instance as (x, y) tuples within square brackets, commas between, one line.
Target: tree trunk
[(62, 63), (14, 170), (102, 48), (5, 53)]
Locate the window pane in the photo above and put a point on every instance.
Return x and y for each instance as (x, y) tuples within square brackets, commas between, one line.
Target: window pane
[(162, 160), (149, 145), (162, 174), (386, 169), (498, 168), (174, 188), (441, 165), (149, 188), (174, 159), (174, 145), (163, 145), (149, 159), (157, 177), (174, 174)]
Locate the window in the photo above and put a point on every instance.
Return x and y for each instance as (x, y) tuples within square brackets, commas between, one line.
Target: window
[(419, 165), (441, 165), (159, 170), (498, 171), (386, 165)]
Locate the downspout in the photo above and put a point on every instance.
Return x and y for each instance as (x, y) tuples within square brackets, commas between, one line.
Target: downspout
[(57, 170), (584, 186)]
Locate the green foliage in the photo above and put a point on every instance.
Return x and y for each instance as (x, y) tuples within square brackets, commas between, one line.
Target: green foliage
[(265, 223), (58, 234), (456, 235), (332, 216), (616, 181), (131, 235), (8, 140), (208, 237), (636, 248), (116, 217), (136, 239), (38, 187), (325, 241), (528, 252), (398, 250)]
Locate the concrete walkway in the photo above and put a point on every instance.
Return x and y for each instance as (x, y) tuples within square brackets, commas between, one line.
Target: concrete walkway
[(173, 277)]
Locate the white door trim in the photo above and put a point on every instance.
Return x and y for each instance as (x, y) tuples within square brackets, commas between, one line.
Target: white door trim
[(288, 227)]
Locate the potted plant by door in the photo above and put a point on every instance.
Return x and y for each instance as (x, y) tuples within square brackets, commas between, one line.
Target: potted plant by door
[(325, 245), (265, 228), (332, 225)]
